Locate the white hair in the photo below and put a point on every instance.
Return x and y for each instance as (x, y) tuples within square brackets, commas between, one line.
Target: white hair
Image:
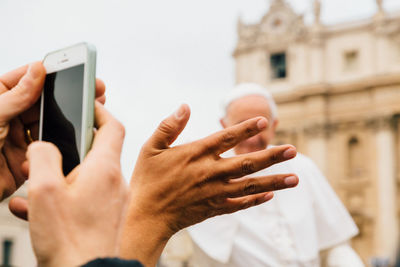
[(246, 89)]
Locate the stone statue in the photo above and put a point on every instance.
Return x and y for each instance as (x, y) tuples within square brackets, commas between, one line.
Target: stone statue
[(317, 11), (379, 3), (276, 2)]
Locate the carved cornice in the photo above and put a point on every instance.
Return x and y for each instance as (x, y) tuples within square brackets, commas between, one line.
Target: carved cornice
[(317, 130), (388, 122), (354, 185), (286, 133), (386, 27), (325, 129), (327, 89)]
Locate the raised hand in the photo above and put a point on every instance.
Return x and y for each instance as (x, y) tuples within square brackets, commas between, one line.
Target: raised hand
[(175, 187)]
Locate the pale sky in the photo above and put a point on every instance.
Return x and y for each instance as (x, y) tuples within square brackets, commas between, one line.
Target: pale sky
[(152, 54)]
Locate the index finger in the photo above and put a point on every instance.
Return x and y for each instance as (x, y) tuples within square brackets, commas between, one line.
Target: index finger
[(45, 168), (11, 79), (230, 137), (110, 134)]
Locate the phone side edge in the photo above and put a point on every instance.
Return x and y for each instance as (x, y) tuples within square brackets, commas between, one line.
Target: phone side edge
[(88, 123)]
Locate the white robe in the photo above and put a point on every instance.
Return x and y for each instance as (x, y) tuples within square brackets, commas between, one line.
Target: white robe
[(289, 230)]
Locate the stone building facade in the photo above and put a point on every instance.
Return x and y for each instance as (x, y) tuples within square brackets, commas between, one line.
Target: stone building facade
[(15, 245), (338, 94)]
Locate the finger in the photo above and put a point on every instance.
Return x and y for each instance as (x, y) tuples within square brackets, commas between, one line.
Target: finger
[(45, 168), (256, 185), (23, 95), (235, 204), (170, 128), (31, 116), (10, 79), (19, 207), (15, 156), (100, 88), (25, 168), (18, 134), (230, 137), (71, 177), (101, 99), (110, 134), (239, 166), (4, 130)]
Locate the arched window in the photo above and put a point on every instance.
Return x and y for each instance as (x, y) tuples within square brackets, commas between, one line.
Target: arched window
[(354, 158)]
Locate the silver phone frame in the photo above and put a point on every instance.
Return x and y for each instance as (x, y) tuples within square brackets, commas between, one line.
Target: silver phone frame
[(69, 57)]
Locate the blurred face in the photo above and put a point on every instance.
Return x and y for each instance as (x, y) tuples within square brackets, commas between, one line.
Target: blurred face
[(246, 108)]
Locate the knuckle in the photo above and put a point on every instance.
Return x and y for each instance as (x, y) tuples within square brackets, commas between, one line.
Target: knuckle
[(166, 126), (115, 173), (274, 157), (277, 184), (250, 131), (228, 139), (203, 148), (43, 189), (203, 182), (115, 178), (206, 176), (112, 171), (4, 129), (257, 201), (247, 204), (247, 166), (120, 128), (214, 203), (250, 187)]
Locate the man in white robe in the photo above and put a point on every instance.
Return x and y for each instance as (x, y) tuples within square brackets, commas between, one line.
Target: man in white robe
[(306, 226)]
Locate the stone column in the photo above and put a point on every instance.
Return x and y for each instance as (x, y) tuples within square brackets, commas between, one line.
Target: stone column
[(317, 52), (317, 56), (317, 146), (315, 123), (382, 43), (386, 234)]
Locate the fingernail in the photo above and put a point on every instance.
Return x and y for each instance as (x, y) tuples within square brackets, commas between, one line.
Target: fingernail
[(262, 124), (291, 180), (32, 72), (289, 153), (180, 112), (268, 196)]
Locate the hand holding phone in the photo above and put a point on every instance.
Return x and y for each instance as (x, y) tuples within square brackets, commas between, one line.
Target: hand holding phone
[(18, 90)]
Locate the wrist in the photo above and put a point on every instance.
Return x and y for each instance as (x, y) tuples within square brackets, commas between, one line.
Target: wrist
[(144, 236), (69, 257), (58, 260)]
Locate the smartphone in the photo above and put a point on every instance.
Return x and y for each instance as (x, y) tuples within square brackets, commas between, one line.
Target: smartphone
[(67, 102)]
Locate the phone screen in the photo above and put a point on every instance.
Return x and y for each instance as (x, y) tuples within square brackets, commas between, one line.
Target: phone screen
[(62, 113)]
